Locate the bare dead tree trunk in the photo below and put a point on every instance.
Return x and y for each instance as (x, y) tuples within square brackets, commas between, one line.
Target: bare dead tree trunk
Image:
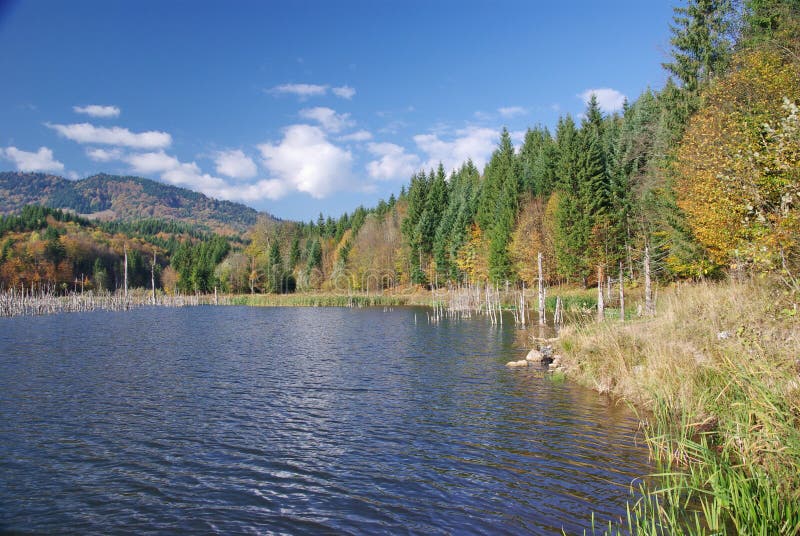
[(649, 310), (630, 263), (499, 304), (601, 306), (558, 315), (542, 319), (621, 295), (153, 277), (125, 249), (252, 275)]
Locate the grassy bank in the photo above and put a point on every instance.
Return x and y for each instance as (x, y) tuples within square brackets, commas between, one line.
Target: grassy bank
[(577, 303), (716, 375), (328, 300)]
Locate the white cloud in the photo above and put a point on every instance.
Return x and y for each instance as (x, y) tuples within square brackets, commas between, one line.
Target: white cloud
[(235, 164), (268, 188), (344, 92), (511, 111), (609, 100), (41, 160), (88, 133), (97, 110), (103, 155), (472, 142), (307, 162), (189, 174), (328, 118), (303, 91), (154, 162), (394, 162), (361, 135)]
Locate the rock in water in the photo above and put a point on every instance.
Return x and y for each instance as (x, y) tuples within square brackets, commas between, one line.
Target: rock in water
[(521, 363), (535, 356)]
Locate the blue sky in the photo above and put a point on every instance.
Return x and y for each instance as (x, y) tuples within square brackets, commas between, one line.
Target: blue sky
[(304, 107)]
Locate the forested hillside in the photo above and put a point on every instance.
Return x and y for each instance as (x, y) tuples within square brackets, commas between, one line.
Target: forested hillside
[(49, 248), (110, 197)]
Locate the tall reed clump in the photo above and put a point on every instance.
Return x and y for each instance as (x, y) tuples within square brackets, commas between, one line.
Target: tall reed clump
[(716, 375)]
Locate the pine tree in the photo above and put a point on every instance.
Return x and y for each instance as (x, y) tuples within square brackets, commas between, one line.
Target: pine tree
[(435, 204), (314, 255), (497, 206), (629, 163), (701, 41), (416, 196), (294, 253), (459, 215), (571, 238), (593, 185), (275, 267), (537, 162), (571, 232)]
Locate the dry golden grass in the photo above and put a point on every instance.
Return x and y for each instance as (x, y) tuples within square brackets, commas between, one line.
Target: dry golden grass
[(719, 369), (698, 329)]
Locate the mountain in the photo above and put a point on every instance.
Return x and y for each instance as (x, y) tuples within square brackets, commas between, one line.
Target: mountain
[(112, 197)]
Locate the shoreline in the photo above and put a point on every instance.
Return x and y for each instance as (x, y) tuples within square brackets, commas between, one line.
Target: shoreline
[(717, 370), (27, 302)]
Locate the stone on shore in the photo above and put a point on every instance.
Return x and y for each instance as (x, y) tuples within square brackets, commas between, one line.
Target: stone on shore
[(535, 356)]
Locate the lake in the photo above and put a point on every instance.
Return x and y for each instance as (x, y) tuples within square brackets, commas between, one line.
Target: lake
[(298, 421)]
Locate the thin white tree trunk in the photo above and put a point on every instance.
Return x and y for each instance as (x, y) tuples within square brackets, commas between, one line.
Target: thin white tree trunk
[(601, 306), (153, 277), (648, 288), (542, 318), (125, 249), (621, 295)]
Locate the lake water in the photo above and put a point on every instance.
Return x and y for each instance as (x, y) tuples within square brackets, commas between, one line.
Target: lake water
[(297, 421)]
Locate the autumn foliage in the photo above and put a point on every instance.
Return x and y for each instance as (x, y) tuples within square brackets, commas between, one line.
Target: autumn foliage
[(738, 179)]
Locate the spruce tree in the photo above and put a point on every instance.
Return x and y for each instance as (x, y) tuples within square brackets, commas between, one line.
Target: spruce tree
[(497, 207), (571, 223), (275, 267), (294, 253), (593, 185), (537, 162), (701, 41), (417, 196)]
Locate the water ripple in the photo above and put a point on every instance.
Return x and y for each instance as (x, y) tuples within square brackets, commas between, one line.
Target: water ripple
[(296, 421)]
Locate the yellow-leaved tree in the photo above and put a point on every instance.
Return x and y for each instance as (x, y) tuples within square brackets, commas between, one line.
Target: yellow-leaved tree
[(529, 238), (738, 179), (472, 257)]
